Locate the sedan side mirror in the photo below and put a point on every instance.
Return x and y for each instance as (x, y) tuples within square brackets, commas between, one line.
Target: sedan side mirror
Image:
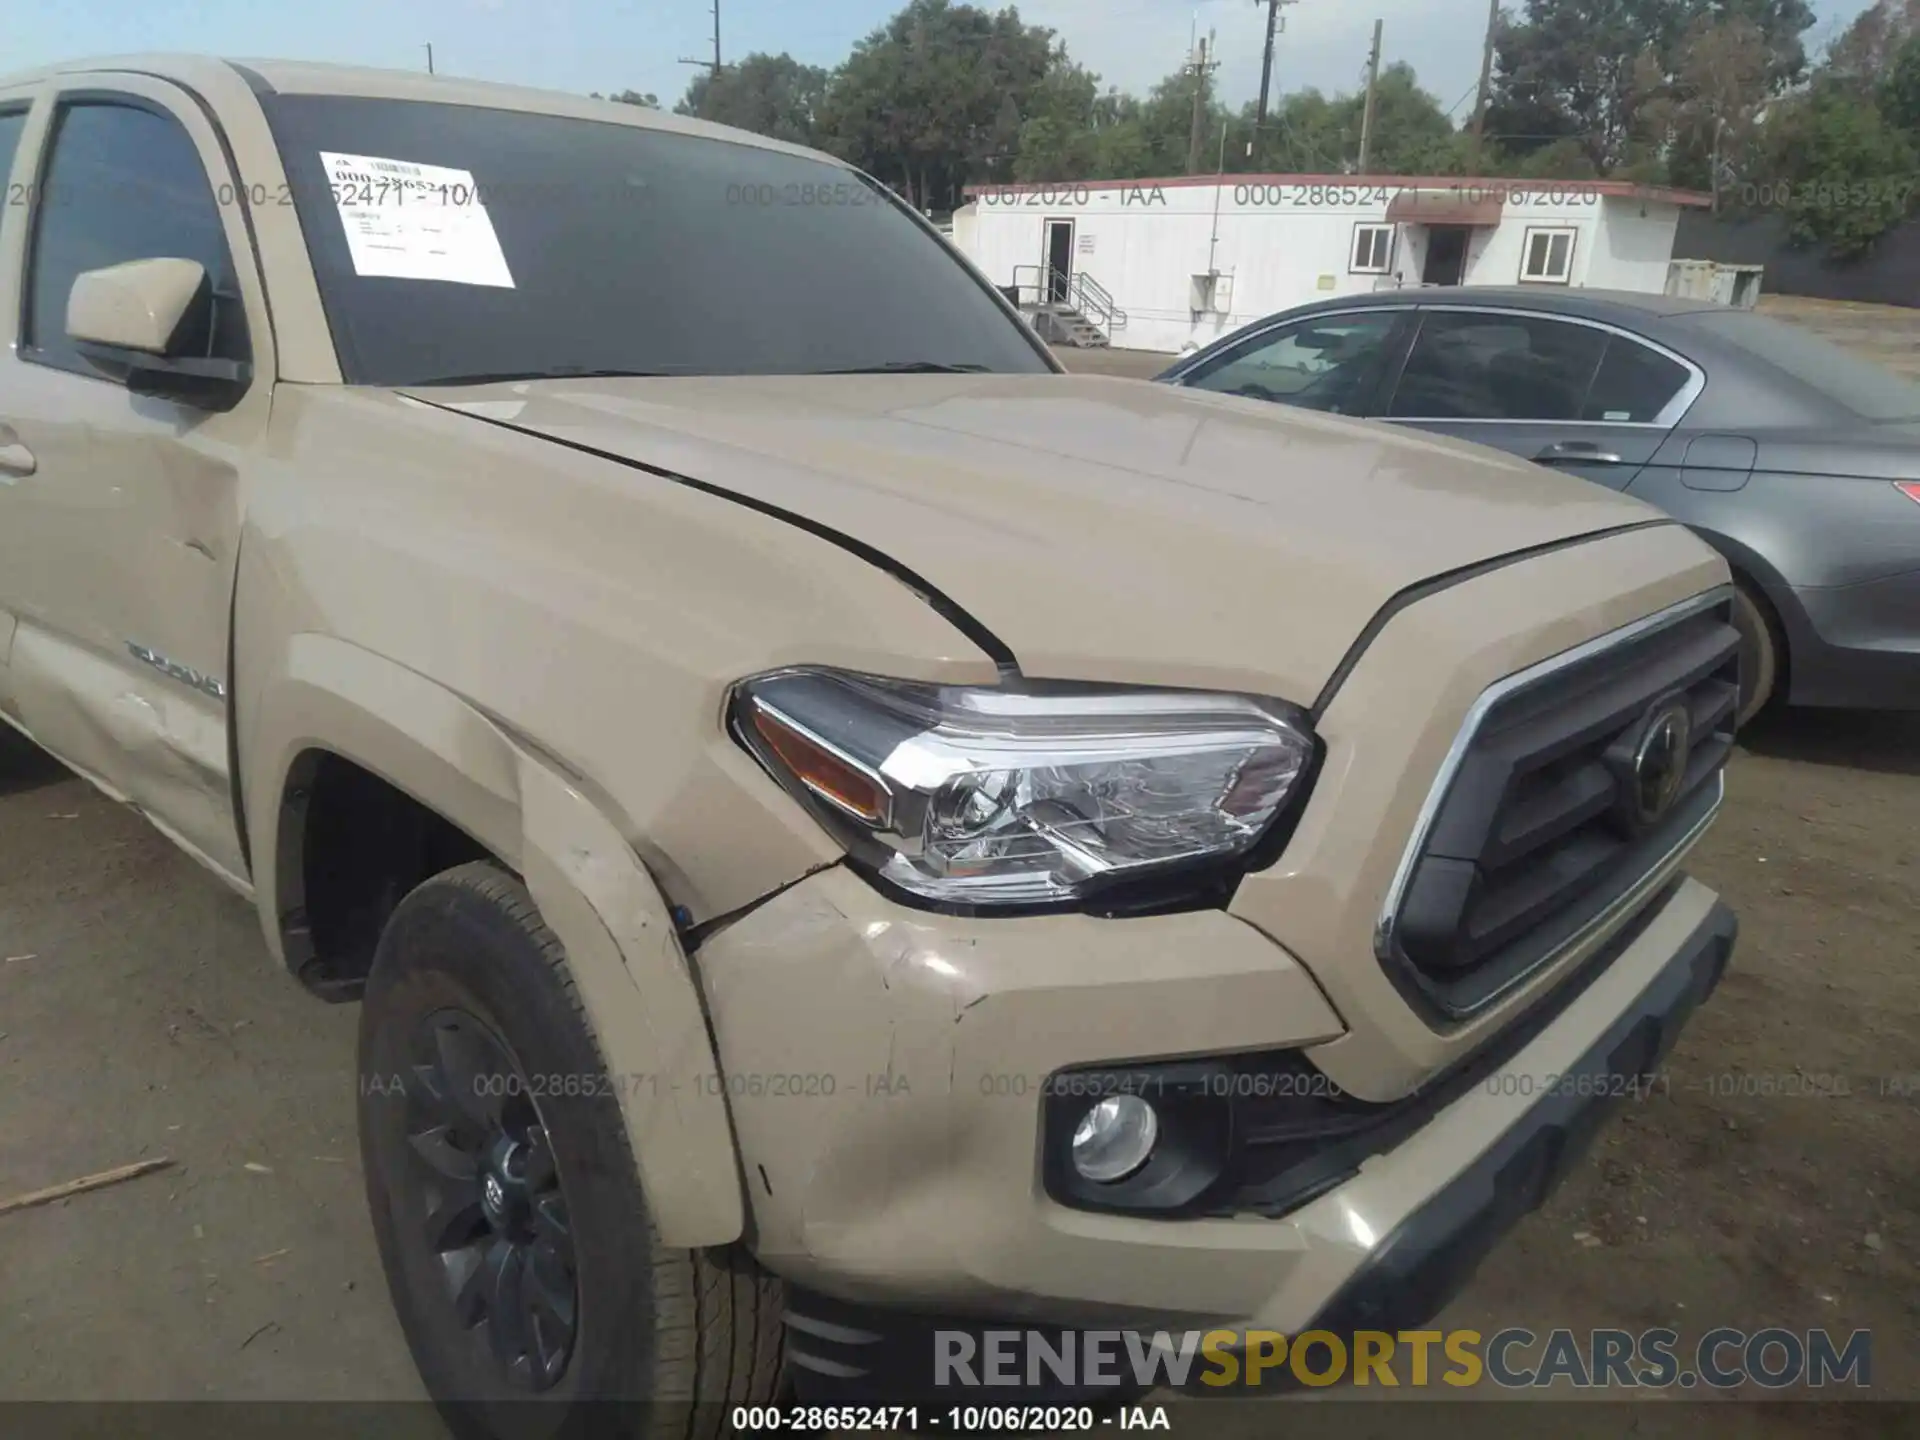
[(136, 321)]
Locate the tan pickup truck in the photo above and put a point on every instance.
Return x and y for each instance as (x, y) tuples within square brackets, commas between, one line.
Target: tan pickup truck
[(839, 830)]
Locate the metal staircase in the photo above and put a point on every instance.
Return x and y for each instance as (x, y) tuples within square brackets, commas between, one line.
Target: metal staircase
[(1067, 309)]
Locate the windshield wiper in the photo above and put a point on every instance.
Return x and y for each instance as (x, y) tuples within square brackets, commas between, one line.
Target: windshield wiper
[(563, 372), (909, 367)]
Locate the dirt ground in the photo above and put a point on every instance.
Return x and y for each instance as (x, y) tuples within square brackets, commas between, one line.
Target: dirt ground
[(1771, 1180)]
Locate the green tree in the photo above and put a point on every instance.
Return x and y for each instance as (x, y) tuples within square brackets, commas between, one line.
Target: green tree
[(1056, 139), (1312, 133), (1707, 111), (1781, 25), (1636, 84), (1572, 72), (1900, 92), (1412, 135), (1866, 52), (1850, 175), (773, 95), (935, 99)]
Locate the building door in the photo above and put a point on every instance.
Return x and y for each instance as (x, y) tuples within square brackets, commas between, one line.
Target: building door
[(1446, 254), (1059, 260)]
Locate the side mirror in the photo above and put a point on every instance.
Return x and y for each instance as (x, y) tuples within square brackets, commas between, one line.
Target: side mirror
[(139, 322)]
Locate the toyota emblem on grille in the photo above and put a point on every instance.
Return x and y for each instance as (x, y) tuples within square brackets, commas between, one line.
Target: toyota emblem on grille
[(1660, 762)]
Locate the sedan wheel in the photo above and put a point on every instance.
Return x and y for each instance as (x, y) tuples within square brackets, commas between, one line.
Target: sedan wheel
[(1760, 652)]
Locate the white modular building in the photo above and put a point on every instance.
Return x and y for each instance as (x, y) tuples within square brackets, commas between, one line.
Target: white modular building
[(1159, 264)]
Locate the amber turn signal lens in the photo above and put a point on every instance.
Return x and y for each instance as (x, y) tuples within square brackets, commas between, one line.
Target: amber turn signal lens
[(824, 773)]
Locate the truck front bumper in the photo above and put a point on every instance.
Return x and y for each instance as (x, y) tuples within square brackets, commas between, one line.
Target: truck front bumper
[(885, 1070)]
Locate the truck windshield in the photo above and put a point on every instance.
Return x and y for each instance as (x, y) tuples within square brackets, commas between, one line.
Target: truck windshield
[(455, 242)]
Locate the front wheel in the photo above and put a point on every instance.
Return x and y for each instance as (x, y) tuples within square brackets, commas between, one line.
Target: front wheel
[(1760, 654), (517, 1244)]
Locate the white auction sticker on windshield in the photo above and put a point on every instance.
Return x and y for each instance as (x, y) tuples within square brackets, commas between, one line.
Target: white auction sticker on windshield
[(415, 222)]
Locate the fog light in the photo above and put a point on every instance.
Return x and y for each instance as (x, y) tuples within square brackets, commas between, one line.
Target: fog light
[(1114, 1138)]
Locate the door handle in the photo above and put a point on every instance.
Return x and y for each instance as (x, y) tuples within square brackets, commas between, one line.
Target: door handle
[(15, 458), (1578, 450)]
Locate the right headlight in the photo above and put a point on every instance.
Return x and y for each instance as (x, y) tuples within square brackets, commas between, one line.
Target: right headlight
[(1024, 796)]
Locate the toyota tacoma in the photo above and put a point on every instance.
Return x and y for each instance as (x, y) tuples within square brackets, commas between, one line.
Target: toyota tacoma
[(836, 827)]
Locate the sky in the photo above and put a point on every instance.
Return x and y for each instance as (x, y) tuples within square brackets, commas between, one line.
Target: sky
[(610, 45)]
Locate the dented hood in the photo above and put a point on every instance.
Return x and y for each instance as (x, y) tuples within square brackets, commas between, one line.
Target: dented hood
[(1100, 528)]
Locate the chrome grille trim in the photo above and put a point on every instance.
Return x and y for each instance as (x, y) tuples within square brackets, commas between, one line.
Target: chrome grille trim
[(1383, 935)]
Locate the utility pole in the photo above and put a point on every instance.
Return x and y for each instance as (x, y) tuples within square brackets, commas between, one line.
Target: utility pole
[(714, 64), (1719, 132), (1201, 68), (429, 57), (1275, 23), (1486, 80), (1373, 85)]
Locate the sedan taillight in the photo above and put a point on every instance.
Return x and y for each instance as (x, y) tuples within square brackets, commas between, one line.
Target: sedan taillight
[(1909, 488)]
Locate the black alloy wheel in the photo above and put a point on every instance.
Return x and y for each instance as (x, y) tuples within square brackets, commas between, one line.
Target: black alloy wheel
[(480, 1174), (520, 1250)]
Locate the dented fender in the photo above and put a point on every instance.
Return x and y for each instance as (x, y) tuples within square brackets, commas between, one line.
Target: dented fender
[(635, 982)]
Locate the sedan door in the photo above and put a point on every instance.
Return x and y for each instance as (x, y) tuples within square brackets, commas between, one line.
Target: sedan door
[(1581, 397)]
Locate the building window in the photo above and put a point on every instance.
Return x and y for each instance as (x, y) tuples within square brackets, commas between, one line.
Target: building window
[(1548, 259), (1372, 250)]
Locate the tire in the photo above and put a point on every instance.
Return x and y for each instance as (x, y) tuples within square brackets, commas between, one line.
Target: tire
[(1761, 654), (16, 751), (24, 764), (469, 995)]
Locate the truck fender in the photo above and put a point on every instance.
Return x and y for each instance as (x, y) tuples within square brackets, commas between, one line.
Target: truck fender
[(635, 980)]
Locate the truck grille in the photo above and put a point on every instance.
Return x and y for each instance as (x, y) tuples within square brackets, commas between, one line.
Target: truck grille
[(1569, 786)]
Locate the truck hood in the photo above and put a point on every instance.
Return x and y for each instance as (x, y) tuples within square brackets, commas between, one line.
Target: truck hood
[(1100, 528)]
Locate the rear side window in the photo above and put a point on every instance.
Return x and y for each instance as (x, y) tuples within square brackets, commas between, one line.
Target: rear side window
[(1498, 367), (1634, 385), (124, 183)]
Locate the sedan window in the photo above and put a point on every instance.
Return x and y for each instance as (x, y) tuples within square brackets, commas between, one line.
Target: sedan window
[(1467, 366), (1332, 363), (1634, 385)]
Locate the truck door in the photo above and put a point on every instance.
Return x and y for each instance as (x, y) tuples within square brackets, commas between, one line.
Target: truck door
[(120, 512)]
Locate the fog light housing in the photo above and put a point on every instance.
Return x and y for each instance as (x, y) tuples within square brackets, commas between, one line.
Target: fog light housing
[(1114, 1138)]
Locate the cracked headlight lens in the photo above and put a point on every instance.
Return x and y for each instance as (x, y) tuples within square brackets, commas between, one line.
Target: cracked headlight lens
[(1024, 796)]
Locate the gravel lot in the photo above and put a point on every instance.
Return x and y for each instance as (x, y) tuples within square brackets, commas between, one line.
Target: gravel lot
[(140, 1016)]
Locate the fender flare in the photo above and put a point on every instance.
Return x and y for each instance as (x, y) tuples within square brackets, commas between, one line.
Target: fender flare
[(637, 984)]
